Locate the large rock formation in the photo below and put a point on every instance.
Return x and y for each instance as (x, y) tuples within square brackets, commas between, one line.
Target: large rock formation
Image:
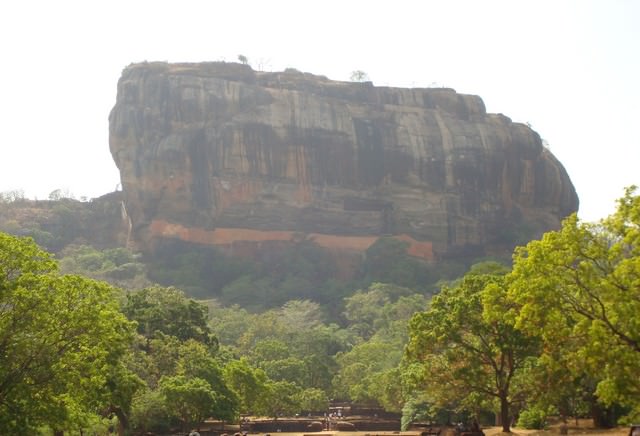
[(218, 153)]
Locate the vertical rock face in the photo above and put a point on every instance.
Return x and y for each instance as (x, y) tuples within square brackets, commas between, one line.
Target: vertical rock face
[(218, 153)]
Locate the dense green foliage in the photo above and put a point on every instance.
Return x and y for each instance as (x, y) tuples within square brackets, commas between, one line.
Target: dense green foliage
[(168, 311), (387, 261), (468, 355), (62, 341), (534, 417), (558, 334), (580, 288), (304, 271), (60, 221), (118, 266)]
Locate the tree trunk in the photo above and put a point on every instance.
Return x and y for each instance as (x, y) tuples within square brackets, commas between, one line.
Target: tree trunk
[(504, 414), (123, 422), (602, 416)]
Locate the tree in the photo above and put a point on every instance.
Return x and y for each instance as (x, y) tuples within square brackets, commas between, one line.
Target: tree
[(59, 194), (196, 361), (62, 338), (290, 369), (369, 372), (169, 311), (13, 196), (196, 388), (149, 412), (364, 373), (190, 399), (467, 352), (229, 324), (185, 382), (580, 287), (364, 311), (249, 384), (313, 400), (301, 314), (372, 309), (243, 59), (268, 325), (270, 349), (117, 266), (281, 398), (359, 76), (387, 261)]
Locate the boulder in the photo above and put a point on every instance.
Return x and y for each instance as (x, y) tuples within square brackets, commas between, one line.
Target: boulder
[(216, 153)]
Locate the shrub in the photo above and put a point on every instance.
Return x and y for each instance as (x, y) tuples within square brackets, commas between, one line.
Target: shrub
[(533, 418)]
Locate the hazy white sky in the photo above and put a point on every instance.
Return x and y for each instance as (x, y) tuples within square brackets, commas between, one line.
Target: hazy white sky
[(569, 68)]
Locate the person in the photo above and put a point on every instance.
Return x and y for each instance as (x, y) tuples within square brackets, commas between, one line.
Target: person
[(194, 432)]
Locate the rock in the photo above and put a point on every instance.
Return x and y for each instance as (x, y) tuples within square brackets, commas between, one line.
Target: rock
[(315, 426), (345, 426), (218, 153)]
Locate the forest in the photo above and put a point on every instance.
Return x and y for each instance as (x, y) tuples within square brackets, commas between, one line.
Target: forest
[(95, 339)]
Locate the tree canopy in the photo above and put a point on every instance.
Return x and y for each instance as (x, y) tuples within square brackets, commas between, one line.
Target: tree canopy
[(169, 311), (580, 287), (467, 356), (62, 338), (559, 333)]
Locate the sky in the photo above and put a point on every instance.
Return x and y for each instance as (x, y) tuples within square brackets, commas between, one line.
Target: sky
[(571, 69)]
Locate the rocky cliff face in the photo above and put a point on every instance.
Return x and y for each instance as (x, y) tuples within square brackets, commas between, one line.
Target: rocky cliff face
[(218, 153)]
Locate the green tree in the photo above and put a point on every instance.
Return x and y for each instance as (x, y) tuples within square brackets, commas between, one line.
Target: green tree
[(387, 261), (467, 351), (281, 398), (149, 412), (191, 399), (317, 348), (229, 324), (196, 361), (370, 310), (267, 325), (363, 373), (363, 310), (395, 318), (270, 349), (249, 384), (62, 338), (185, 377), (251, 293), (369, 372), (117, 266), (313, 400), (310, 347), (580, 287), (168, 310), (290, 369), (301, 314)]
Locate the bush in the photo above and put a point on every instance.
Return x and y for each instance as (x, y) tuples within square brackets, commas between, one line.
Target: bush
[(149, 413), (533, 418)]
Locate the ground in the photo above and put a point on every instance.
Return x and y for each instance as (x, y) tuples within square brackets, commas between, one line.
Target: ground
[(583, 427)]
